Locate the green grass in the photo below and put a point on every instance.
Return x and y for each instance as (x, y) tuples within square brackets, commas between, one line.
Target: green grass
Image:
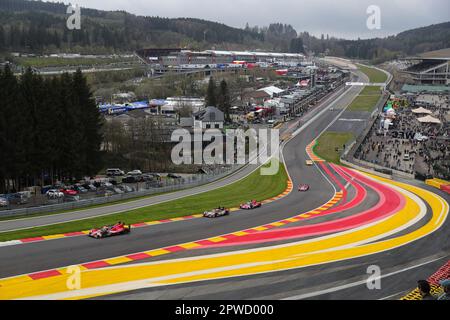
[(40, 62), (366, 100), (369, 96), (255, 186), (328, 142), (373, 74)]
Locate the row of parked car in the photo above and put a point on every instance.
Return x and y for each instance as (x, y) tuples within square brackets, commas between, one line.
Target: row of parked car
[(137, 176), (13, 198), (105, 187)]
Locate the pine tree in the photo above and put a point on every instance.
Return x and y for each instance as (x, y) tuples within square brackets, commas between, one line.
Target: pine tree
[(211, 98), (224, 101), (90, 125)]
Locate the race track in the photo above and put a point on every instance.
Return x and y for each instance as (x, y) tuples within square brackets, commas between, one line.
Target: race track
[(315, 244)]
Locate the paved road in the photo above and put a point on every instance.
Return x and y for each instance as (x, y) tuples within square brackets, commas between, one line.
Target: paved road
[(338, 280)]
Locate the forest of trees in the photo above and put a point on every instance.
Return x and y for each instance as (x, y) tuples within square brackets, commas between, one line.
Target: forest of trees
[(37, 26), (50, 128)]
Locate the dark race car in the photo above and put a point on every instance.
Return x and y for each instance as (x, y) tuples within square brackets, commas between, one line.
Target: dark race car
[(110, 231), (218, 212), (250, 205), (303, 187)]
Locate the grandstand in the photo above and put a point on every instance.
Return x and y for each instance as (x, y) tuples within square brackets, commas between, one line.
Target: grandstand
[(430, 68)]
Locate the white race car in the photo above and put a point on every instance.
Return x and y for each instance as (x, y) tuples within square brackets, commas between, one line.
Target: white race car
[(218, 212)]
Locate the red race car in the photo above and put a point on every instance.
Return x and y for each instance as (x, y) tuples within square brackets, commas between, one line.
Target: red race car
[(303, 187), (110, 231), (250, 205)]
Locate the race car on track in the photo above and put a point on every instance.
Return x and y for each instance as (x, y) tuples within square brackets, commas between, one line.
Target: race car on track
[(250, 205), (218, 212), (309, 162), (109, 231), (303, 187)]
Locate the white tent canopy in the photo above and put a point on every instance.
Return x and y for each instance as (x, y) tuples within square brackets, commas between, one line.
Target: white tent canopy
[(428, 119), (421, 110), (271, 90)]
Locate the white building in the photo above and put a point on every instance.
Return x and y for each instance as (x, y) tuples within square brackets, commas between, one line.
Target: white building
[(174, 104)]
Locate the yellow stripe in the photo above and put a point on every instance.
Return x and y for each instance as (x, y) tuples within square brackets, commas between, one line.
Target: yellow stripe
[(55, 236), (217, 239), (118, 260), (189, 245), (240, 233), (277, 224), (157, 252)]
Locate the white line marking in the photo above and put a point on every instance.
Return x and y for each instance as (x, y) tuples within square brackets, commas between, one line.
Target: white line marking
[(357, 283)]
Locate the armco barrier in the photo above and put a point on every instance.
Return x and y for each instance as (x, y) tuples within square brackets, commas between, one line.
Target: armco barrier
[(117, 197)]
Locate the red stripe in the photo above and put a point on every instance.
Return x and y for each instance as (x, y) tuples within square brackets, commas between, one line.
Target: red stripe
[(44, 274), (174, 249), (138, 256), (96, 264), (139, 224), (204, 242), (165, 220), (32, 239), (70, 234)]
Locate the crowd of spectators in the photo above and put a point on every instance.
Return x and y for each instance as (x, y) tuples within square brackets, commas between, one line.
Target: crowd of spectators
[(412, 153)]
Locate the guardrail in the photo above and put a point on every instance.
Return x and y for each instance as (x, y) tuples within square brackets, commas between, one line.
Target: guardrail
[(197, 181)]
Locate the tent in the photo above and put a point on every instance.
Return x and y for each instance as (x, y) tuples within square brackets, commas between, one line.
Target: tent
[(421, 110), (428, 119)]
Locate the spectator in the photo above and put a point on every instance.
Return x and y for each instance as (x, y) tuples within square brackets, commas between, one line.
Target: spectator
[(425, 290), (446, 286)]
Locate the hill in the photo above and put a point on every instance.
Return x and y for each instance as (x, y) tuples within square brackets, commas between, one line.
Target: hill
[(40, 27)]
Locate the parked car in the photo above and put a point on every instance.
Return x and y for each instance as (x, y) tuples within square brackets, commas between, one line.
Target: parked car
[(90, 187), (3, 202), (69, 192), (156, 175), (134, 173), (108, 185), (79, 189), (129, 179), (16, 198), (54, 194), (125, 188), (118, 190), (173, 176), (115, 172), (147, 177)]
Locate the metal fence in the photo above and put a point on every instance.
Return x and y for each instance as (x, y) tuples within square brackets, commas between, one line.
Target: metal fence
[(168, 186)]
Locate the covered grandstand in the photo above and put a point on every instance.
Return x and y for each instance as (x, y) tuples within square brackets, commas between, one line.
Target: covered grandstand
[(430, 68)]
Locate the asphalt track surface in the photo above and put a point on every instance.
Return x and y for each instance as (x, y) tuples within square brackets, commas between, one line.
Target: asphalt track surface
[(335, 280)]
